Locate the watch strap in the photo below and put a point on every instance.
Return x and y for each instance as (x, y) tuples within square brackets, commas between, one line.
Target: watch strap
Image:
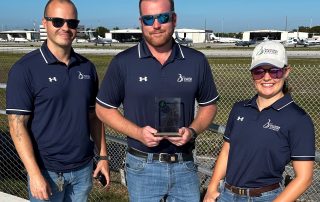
[(194, 133), (107, 158)]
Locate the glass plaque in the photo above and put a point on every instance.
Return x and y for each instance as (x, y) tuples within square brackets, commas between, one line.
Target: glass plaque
[(168, 116)]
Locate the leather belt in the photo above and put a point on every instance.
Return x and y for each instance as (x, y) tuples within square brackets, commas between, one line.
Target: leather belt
[(162, 157), (254, 192)]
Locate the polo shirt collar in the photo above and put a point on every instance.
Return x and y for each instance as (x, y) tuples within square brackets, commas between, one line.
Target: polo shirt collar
[(144, 52), (278, 105), (49, 58)]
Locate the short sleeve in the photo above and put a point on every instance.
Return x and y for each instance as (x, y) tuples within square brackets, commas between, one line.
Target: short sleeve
[(95, 88), (112, 90), (302, 140), (207, 93), (19, 96), (229, 126)]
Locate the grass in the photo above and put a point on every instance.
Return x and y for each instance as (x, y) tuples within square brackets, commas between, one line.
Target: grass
[(14, 187), (116, 193)]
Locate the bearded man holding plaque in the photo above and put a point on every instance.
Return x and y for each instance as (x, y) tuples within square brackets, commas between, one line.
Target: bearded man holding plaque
[(157, 82)]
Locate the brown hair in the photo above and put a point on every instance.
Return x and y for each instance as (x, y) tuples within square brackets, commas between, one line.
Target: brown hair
[(286, 88), (171, 3)]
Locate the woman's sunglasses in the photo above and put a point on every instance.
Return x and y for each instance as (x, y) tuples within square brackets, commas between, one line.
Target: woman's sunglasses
[(163, 18), (59, 22), (275, 73)]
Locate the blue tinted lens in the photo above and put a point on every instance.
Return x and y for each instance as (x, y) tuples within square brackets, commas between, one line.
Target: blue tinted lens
[(148, 20), (163, 18)]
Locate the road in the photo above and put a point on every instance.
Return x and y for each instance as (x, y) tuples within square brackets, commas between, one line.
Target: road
[(210, 50)]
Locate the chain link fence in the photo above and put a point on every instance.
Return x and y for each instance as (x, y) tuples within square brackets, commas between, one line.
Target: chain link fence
[(233, 82)]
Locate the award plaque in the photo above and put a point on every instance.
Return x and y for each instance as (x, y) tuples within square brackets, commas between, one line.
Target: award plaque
[(168, 116)]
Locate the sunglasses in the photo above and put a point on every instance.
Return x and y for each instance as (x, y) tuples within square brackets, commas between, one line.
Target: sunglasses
[(59, 22), (275, 73), (163, 18)]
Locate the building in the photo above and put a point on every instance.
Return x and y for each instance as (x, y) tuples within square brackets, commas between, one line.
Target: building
[(125, 35), (260, 35), (43, 33), (20, 35), (196, 35)]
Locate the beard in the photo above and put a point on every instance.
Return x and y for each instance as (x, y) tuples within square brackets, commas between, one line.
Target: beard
[(158, 38)]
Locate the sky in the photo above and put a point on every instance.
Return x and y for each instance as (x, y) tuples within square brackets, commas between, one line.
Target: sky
[(216, 15)]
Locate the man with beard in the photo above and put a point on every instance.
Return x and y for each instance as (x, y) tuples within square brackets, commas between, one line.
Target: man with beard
[(50, 105), (157, 82)]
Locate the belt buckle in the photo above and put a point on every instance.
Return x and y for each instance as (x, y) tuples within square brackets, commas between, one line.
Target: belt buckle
[(163, 157), (242, 191)]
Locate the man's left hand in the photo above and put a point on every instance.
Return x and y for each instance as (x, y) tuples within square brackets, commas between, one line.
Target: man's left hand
[(103, 167), (185, 136)]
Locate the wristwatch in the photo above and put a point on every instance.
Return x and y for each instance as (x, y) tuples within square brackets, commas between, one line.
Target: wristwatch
[(107, 158), (194, 134)]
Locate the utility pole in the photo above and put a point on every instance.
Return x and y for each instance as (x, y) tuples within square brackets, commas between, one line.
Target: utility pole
[(205, 24), (286, 24), (205, 30), (222, 27)]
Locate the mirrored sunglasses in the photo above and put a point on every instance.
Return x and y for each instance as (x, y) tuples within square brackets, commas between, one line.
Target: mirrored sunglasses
[(162, 18), (59, 22), (275, 73)]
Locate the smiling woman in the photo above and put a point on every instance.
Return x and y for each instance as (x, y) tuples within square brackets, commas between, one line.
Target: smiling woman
[(269, 122)]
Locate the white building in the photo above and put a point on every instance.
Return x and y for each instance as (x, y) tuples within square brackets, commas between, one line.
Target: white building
[(19, 35), (196, 35), (43, 33)]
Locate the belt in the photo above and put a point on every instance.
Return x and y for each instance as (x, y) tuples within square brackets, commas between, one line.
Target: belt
[(254, 192), (162, 157)]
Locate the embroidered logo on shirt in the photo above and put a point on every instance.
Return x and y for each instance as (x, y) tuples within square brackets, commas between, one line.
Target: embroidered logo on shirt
[(145, 79), (53, 79), (240, 118), (83, 76), (271, 126), (183, 79)]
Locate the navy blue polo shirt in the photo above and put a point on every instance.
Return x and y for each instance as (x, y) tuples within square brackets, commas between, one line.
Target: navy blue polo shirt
[(58, 99), (136, 79), (263, 143)]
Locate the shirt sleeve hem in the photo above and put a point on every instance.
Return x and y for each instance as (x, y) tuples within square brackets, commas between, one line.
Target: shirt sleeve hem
[(105, 104), (306, 158), (18, 112), (213, 101), (226, 139)]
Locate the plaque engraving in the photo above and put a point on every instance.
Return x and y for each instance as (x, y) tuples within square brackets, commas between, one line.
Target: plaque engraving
[(168, 116)]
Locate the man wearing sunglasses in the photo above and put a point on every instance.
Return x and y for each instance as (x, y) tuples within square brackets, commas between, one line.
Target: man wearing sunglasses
[(158, 72), (50, 105), (263, 134)]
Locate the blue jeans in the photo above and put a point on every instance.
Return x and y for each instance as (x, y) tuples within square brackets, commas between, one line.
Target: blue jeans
[(77, 185), (227, 196), (150, 180)]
